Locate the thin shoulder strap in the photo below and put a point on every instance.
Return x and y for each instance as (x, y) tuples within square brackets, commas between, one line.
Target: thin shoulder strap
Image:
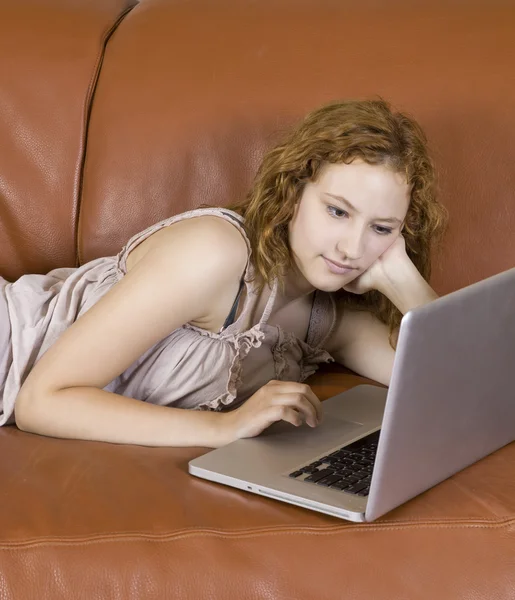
[(323, 319), (141, 236)]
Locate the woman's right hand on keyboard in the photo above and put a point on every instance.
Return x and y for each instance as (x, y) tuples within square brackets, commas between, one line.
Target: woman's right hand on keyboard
[(275, 401)]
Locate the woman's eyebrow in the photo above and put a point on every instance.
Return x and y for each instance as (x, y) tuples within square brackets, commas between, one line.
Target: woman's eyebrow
[(349, 205)]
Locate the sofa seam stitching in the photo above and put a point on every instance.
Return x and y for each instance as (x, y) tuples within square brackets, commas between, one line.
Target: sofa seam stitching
[(88, 106), (120, 537)]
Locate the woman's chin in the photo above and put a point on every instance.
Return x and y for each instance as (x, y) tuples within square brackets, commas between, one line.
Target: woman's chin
[(333, 285), (330, 286)]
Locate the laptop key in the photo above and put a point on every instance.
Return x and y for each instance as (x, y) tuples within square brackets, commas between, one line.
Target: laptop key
[(357, 458), (351, 479), (331, 470), (339, 485), (295, 474), (341, 454), (362, 474), (328, 480), (344, 472), (309, 470), (356, 487), (319, 475)]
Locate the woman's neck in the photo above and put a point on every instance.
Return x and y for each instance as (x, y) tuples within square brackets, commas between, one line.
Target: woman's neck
[(296, 286)]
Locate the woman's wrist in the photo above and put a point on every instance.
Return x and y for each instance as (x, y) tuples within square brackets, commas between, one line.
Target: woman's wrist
[(406, 288), (223, 428)]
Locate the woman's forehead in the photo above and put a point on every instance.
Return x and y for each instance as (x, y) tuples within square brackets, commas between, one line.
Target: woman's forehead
[(365, 186)]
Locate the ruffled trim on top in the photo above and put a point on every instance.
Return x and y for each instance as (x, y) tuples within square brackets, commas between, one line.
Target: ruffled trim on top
[(312, 358), (242, 343), (312, 355), (253, 338), (284, 344), (207, 333)]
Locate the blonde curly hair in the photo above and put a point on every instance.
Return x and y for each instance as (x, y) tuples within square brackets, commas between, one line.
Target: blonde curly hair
[(339, 133)]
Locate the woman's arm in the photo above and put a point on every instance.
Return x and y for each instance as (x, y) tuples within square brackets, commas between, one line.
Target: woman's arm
[(360, 341), (87, 413), (178, 282), (406, 288)]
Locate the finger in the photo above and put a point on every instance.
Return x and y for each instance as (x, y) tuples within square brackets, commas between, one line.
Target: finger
[(288, 414), (310, 395), (315, 400), (301, 403), (293, 387)]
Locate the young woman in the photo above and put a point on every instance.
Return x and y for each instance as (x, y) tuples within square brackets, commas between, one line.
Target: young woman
[(228, 310)]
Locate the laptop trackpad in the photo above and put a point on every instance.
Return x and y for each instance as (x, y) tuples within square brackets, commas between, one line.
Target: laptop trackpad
[(329, 426)]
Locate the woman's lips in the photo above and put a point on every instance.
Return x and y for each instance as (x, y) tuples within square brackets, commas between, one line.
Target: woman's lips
[(337, 269)]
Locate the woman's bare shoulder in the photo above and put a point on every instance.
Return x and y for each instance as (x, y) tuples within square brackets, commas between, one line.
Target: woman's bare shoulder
[(213, 233)]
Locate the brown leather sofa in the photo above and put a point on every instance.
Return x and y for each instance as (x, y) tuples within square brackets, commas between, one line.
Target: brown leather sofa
[(115, 114)]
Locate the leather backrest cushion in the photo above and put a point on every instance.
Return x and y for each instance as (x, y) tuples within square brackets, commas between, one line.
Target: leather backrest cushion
[(192, 93), (50, 54)]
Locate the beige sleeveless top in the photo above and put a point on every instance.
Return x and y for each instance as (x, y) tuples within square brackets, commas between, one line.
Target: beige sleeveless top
[(190, 368)]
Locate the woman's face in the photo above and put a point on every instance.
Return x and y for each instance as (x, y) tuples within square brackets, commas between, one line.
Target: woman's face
[(350, 216)]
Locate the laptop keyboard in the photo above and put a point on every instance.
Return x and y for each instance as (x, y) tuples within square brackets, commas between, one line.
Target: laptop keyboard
[(348, 469)]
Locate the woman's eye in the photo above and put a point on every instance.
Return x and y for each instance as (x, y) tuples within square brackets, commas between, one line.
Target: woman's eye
[(337, 212), (383, 230)]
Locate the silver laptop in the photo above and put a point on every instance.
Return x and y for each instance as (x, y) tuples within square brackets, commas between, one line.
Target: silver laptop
[(451, 401)]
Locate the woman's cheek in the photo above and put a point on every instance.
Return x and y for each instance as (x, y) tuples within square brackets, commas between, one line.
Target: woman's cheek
[(384, 243), (375, 253)]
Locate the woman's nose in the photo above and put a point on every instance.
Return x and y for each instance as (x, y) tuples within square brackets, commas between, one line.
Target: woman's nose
[(351, 245)]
